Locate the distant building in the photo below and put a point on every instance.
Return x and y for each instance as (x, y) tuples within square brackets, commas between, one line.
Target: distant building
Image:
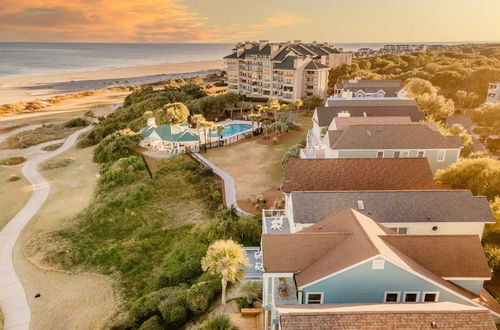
[(358, 87), (493, 93), (287, 71), (403, 48)]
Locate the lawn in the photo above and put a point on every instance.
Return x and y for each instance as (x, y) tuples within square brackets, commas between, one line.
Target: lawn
[(256, 167), (13, 194)]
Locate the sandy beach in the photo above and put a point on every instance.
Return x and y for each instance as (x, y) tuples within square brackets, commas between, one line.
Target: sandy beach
[(39, 87)]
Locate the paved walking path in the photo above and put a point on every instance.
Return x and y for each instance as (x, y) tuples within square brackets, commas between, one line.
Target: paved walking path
[(13, 301), (229, 188)]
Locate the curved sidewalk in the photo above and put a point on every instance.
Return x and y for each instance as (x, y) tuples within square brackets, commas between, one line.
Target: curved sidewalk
[(229, 187), (13, 300)]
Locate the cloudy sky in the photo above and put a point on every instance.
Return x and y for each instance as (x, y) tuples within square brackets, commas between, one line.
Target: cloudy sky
[(234, 20)]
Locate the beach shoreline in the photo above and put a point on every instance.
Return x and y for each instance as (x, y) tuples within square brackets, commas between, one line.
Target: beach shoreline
[(43, 86)]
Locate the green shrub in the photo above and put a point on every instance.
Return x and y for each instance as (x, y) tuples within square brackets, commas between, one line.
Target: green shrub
[(493, 255), (218, 322), (153, 323), (252, 290), (76, 122), (242, 303), (116, 146), (174, 310)]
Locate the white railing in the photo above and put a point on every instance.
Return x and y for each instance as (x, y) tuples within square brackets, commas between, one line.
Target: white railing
[(307, 153)]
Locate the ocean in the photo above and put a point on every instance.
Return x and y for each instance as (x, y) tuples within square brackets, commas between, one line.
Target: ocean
[(27, 58)]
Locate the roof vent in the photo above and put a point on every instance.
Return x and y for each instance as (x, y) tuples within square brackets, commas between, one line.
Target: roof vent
[(320, 227), (361, 205), (368, 133), (428, 217)]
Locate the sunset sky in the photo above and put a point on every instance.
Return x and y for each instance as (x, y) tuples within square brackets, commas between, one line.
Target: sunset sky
[(230, 20)]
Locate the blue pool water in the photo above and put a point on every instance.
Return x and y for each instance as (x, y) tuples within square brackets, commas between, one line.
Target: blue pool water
[(232, 129)]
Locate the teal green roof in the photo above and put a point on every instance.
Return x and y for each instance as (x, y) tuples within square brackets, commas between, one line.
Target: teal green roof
[(146, 131), (185, 137), (165, 133)]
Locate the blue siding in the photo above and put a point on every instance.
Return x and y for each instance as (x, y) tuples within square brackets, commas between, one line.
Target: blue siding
[(363, 284)]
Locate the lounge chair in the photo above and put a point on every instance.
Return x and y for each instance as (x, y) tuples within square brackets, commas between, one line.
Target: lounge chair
[(259, 267)]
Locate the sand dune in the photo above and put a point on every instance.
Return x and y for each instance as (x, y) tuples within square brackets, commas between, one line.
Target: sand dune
[(29, 88)]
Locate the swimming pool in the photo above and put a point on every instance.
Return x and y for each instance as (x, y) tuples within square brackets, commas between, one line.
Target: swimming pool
[(232, 129)]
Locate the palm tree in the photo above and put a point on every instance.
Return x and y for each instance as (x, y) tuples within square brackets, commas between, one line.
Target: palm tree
[(266, 124), (227, 258), (198, 121), (297, 104), (210, 125)]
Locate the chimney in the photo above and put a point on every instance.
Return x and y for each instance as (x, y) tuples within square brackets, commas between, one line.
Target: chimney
[(297, 41), (240, 50), (274, 48), (263, 43), (344, 114), (248, 44), (314, 42)]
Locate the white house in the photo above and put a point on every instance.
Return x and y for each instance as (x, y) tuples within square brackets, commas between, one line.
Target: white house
[(170, 138)]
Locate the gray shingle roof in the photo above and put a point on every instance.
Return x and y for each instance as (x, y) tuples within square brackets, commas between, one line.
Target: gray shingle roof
[(390, 86), (233, 55), (405, 136), (287, 64), (424, 206), (358, 108), (315, 66)]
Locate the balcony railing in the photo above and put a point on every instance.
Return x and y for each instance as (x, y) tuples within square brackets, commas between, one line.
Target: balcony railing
[(307, 153)]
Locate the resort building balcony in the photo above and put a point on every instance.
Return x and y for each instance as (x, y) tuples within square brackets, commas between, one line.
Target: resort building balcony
[(255, 269), (274, 221)]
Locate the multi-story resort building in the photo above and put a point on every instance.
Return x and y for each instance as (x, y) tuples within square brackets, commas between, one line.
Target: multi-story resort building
[(287, 71), (493, 93), (361, 88)]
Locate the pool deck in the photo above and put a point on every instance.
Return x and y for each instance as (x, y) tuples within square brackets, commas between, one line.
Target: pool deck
[(223, 123)]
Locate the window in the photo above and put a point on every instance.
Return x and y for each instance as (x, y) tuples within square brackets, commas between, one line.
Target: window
[(314, 297), (361, 205), (380, 154), (400, 230), (404, 154), (391, 296), (430, 296), (397, 154), (440, 156), (411, 296), (421, 154)]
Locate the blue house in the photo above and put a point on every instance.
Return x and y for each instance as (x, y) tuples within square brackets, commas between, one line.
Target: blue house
[(351, 260)]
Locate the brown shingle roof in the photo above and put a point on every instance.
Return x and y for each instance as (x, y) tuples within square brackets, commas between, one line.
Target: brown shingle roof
[(358, 174), (364, 238), (446, 315), (408, 136), (444, 256)]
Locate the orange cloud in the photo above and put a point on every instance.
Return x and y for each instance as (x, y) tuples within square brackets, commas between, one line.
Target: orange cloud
[(280, 19), (103, 21)]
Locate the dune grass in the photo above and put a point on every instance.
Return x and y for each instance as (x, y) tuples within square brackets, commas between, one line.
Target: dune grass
[(42, 134), (12, 161), (147, 234)]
